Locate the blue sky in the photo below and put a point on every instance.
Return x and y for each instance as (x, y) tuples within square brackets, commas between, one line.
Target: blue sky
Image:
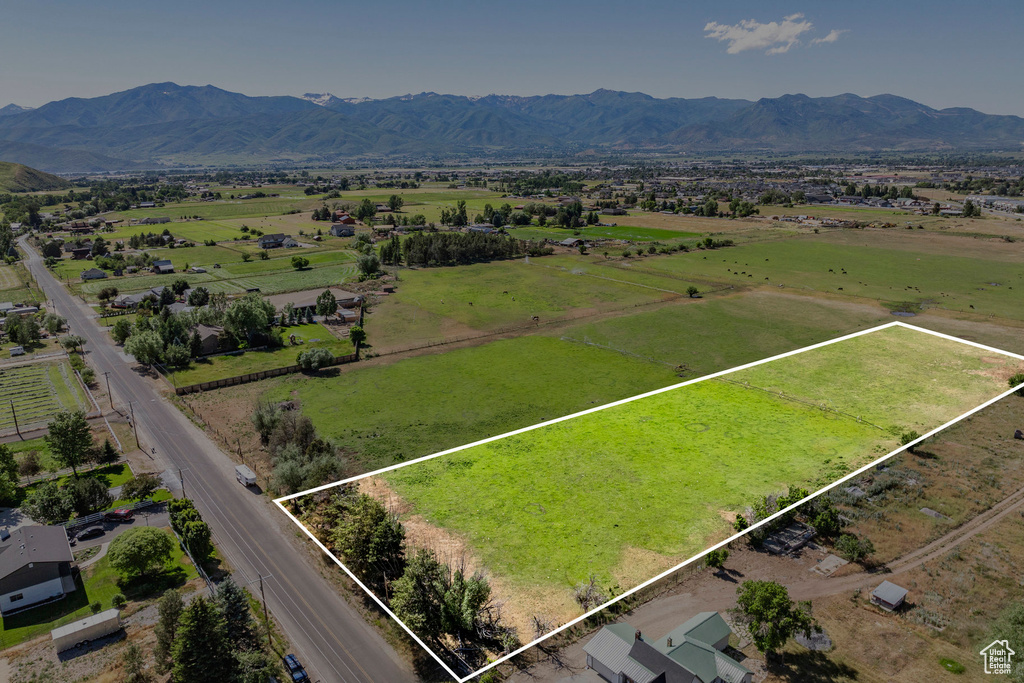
[(940, 53)]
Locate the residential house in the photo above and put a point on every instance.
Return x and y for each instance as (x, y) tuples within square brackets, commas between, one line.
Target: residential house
[(289, 243), (342, 217), (163, 267), (35, 567), (81, 253), (307, 299), (690, 653), (272, 241), (209, 338), (342, 230), (889, 596), (93, 274)]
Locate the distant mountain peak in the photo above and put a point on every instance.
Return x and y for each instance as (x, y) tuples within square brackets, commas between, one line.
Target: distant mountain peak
[(323, 99), (12, 109)]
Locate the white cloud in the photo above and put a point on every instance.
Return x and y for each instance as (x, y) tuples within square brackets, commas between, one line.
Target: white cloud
[(774, 37), (832, 36)]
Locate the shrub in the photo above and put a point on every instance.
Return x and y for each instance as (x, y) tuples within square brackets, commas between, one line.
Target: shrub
[(119, 601), (314, 359), (1016, 380)]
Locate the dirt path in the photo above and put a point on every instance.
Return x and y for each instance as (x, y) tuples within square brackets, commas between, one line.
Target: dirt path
[(708, 592)]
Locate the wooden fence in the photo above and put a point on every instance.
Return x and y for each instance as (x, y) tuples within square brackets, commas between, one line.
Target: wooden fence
[(255, 376)]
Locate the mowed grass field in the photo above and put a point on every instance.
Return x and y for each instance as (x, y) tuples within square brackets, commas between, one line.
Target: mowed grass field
[(625, 491)]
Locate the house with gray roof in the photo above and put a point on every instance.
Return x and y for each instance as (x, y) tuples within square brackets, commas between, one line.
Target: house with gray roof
[(690, 653), (35, 567)]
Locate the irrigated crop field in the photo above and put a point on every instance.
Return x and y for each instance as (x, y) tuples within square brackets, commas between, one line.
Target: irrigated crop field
[(38, 391), (629, 490)]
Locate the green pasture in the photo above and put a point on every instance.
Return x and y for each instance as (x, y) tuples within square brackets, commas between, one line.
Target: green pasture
[(709, 335), (432, 303), (963, 283), (98, 583), (273, 276), (450, 399), (38, 391), (614, 232), (196, 231), (552, 506), (659, 476), (894, 377), (307, 337), (227, 208), (17, 286)]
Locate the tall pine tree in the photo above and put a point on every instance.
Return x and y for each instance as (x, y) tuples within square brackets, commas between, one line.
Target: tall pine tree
[(234, 607), (169, 609), (201, 649)]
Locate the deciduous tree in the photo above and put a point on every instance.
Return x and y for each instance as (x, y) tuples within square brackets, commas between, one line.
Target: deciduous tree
[(138, 551), (69, 439), (772, 618)]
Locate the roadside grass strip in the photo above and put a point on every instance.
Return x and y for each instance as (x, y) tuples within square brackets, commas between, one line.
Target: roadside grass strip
[(631, 491)]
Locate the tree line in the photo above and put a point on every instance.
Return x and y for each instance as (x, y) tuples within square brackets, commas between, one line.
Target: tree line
[(428, 249)]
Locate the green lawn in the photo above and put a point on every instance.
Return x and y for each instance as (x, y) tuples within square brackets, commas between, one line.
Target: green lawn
[(100, 583), (110, 476), (220, 367), (640, 486), (160, 496), (42, 449)]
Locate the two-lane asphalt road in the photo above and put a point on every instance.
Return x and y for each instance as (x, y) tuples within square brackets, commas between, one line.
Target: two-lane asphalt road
[(327, 634)]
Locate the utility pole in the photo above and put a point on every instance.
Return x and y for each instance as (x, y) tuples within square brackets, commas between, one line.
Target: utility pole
[(131, 407), (15, 415), (106, 376), (266, 616)]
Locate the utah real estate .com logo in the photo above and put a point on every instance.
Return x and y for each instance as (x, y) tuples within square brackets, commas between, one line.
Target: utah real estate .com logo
[(998, 657)]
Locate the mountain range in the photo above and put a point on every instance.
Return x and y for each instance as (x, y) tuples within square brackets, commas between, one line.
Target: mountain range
[(165, 124)]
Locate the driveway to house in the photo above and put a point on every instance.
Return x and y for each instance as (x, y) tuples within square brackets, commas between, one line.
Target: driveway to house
[(156, 516), (325, 632)]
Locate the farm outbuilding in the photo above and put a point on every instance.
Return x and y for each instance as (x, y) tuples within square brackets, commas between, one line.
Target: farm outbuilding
[(86, 630), (889, 596)]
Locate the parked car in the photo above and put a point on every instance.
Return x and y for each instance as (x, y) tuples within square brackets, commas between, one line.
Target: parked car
[(120, 515), (90, 532), (295, 669)]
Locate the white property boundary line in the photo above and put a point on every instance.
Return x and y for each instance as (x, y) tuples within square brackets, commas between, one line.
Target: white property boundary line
[(280, 501)]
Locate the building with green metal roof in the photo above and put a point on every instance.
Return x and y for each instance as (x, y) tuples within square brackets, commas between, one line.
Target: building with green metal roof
[(690, 653)]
